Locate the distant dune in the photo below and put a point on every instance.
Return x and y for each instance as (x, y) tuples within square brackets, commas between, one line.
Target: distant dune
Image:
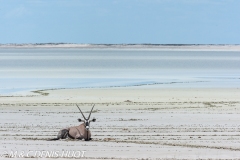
[(201, 47)]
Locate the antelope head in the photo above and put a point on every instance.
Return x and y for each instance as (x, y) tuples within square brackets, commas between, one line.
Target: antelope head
[(86, 121)]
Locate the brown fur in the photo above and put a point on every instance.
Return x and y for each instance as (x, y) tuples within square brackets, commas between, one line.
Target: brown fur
[(79, 132)]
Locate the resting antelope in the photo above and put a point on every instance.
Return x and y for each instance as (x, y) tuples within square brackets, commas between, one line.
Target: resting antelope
[(77, 132)]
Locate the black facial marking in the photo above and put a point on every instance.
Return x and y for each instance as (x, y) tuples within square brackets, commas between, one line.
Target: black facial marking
[(87, 123)]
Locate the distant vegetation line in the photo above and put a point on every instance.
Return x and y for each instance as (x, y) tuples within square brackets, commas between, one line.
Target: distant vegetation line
[(120, 44)]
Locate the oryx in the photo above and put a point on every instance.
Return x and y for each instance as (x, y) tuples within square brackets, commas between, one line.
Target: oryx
[(77, 132)]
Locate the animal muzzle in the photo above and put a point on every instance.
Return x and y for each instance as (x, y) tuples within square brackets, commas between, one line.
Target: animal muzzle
[(87, 128)]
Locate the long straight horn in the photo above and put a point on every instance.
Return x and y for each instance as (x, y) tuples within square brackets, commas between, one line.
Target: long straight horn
[(91, 112), (81, 112)]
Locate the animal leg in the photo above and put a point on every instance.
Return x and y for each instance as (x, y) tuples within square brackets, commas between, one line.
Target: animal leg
[(62, 134), (80, 138), (89, 139)]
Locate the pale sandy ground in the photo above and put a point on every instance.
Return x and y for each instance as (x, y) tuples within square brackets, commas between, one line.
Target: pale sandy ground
[(132, 123)]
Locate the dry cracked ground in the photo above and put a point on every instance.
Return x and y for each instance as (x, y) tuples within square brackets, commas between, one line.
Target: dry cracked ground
[(126, 130)]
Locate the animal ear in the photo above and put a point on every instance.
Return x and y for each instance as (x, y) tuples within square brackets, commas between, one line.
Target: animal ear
[(94, 119), (79, 120)]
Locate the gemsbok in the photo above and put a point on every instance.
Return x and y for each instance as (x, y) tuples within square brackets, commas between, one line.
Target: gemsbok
[(77, 132)]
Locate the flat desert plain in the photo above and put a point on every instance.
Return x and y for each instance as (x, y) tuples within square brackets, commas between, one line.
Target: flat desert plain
[(132, 123)]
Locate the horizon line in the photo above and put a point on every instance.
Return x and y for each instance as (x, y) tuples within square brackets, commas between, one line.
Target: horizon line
[(168, 44)]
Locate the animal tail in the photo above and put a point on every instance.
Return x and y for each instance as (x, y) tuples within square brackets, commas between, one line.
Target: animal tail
[(53, 139), (62, 134)]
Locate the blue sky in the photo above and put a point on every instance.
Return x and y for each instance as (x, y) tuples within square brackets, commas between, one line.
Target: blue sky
[(120, 21)]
